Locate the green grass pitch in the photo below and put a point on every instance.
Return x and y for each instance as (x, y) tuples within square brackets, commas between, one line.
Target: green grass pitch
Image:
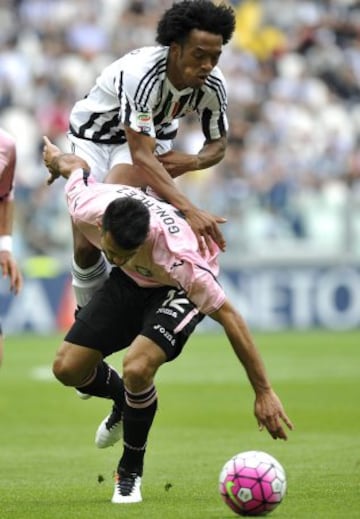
[(50, 468)]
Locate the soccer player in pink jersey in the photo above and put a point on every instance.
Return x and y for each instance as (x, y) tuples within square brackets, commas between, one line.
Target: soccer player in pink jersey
[(8, 264), (159, 289)]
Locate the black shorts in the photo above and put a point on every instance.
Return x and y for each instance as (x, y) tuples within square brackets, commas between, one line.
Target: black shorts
[(121, 310)]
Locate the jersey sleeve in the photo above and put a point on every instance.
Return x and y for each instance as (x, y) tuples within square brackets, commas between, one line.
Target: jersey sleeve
[(7, 165), (136, 112), (165, 135), (200, 285), (212, 111), (86, 199), (178, 255)]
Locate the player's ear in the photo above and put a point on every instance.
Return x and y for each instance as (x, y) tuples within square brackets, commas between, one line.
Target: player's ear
[(99, 224), (175, 49)]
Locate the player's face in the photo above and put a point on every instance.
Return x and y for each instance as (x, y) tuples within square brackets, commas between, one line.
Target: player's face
[(192, 62), (115, 254)]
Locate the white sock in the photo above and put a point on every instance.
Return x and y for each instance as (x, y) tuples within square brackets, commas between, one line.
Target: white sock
[(86, 281)]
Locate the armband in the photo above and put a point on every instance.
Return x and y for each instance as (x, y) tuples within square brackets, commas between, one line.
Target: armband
[(6, 243)]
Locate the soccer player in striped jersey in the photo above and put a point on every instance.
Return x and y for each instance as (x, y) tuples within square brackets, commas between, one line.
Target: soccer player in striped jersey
[(159, 289), (8, 264), (128, 121)]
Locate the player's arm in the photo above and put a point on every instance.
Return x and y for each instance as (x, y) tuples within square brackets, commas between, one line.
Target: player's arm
[(8, 264), (60, 164), (204, 225), (268, 407), (177, 163), (214, 124), (211, 153)]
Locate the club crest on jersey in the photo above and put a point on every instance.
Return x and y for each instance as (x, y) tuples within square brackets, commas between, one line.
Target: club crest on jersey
[(143, 271)]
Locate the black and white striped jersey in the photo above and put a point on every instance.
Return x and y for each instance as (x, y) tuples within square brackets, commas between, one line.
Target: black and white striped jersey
[(135, 91)]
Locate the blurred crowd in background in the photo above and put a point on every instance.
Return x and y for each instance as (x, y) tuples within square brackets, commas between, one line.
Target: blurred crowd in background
[(290, 182)]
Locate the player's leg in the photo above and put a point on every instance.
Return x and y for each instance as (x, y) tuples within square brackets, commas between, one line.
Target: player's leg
[(74, 364), (121, 168), (164, 333), (105, 325), (84, 368), (79, 361), (125, 174), (89, 268), (140, 365)]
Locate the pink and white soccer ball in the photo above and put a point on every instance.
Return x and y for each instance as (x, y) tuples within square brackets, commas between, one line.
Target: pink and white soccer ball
[(252, 483)]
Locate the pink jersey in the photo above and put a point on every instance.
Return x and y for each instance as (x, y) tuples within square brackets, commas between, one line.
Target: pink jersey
[(170, 254), (7, 165)]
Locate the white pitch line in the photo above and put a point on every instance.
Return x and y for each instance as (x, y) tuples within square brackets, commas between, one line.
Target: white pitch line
[(42, 373)]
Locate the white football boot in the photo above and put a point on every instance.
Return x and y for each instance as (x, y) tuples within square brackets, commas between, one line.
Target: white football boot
[(127, 488), (109, 431)]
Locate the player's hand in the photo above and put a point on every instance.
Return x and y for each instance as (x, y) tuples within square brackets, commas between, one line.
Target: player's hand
[(271, 415), (206, 229), (60, 164), (50, 154), (10, 269)]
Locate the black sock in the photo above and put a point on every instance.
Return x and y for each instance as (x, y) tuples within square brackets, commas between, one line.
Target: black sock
[(139, 413), (106, 383)]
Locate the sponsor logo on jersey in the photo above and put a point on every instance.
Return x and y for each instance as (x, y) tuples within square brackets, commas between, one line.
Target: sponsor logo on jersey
[(144, 117), (143, 121)]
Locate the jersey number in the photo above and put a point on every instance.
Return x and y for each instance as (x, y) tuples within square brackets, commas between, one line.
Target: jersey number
[(177, 303)]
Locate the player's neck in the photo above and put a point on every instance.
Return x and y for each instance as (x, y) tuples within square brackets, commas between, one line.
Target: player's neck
[(174, 75)]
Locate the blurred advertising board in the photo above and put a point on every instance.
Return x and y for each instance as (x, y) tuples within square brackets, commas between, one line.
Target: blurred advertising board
[(270, 299), (304, 297)]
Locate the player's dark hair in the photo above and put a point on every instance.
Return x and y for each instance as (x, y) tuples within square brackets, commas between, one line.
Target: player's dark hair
[(128, 221), (177, 22)]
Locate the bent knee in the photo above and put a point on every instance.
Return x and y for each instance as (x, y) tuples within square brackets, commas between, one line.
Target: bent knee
[(74, 365), (137, 374), (140, 364), (64, 373), (68, 373)]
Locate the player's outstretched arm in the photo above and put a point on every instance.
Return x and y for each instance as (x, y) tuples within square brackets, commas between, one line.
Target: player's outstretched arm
[(269, 410), (60, 164)]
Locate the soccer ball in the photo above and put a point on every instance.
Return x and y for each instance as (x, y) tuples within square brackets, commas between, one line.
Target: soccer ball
[(252, 483)]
